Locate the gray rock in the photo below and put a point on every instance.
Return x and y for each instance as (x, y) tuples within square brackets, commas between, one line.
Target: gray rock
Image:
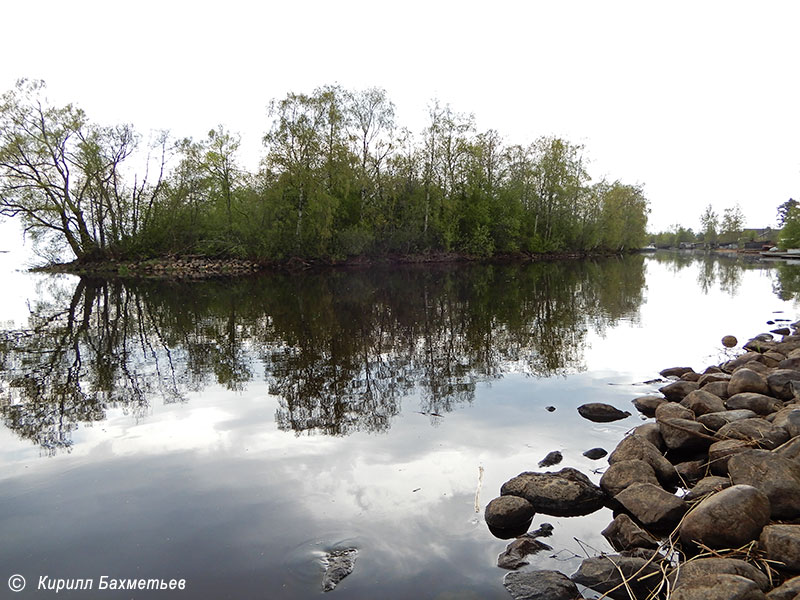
[(780, 383), (759, 403), (691, 471), (675, 371), (623, 534), (692, 376), (552, 458), (762, 432), (647, 404), (650, 432), (702, 568), (604, 574), (516, 552), (791, 362), (601, 413), (729, 341), (788, 590), (674, 410), (540, 585), (727, 519), (706, 486), (713, 377), (621, 474), (782, 544), (565, 493), (595, 453), (683, 434), (634, 446), (719, 453), (338, 565), (789, 419), (508, 512), (702, 402), (719, 587), (651, 505), (747, 380), (776, 476), (742, 360), (715, 421), (790, 449), (718, 388), (677, 391)]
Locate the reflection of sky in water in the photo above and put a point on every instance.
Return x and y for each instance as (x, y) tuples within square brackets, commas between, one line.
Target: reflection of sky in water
[(212, 491)]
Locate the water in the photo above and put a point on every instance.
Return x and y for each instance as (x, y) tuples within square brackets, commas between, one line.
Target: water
[(231, 433)]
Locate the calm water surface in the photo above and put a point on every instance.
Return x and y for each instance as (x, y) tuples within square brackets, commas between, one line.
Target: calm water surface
[(230, 433)]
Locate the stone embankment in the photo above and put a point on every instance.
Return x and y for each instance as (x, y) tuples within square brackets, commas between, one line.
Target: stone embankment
[(706, 497)]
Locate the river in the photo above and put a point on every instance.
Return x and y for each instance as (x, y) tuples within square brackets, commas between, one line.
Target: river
[(230, 433)]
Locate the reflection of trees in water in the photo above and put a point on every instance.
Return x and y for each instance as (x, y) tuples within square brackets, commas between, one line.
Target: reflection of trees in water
[(340, 349), (786, 283), (722, 270)]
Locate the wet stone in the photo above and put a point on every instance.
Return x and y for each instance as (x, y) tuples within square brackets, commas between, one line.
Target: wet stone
[(595, 453), (552, 458), (540, 585), (338, 565), (601, 413)]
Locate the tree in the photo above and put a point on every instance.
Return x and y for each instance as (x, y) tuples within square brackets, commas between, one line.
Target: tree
[(784, 210), (709, 223), (790, 234), (732, 224)]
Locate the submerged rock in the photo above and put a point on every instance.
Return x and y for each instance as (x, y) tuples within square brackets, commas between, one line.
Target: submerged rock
[(540, 585), (602, 413), (514, 555), (338, 565), (552, 458)]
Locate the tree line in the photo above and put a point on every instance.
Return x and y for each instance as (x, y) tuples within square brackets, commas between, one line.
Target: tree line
[(339, 178)]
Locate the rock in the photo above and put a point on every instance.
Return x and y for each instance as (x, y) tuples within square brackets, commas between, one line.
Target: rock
[(727, 519), (707, 485), (718, 388), (758, 366), (713, 378), (678, 390), (702, 568), (763, 433), (715, 421), (774, 475), (634, 446), (624, 473), (719, 587), (509, 512), (741, 360), (515, 553), (565, 493), (647, 404), (691, 471), (719, 453), (781, 331), (623, 534), (552, 458), (691, 376), (338, 565), (780, 383), (782, 543), (786, 591), (674, 410), (604, 573), (729, 341), (683, 434), (650, 432), (595, 453), (651, 505), (791, 363), (789, 419), (759, 403), (675, 371), (773, 359), (550, 408), (790, 449), (701, 402), (747, 380), (540, 585), (601, 413)]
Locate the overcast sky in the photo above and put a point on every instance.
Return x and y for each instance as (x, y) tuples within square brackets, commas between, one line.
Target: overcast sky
[(697, 101)]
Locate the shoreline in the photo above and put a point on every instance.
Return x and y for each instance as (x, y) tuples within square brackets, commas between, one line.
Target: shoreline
[(705, 494)]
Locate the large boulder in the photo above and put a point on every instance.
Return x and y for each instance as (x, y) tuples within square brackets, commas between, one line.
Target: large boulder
[(742, 359), (683, 434), (701, 402), (702, 568), (565, 493), (719, 587), (759, 431), (647, 405), (719, 453), (675, 371), (727, 519), (706, 486), (790, 449), (780, 382), (622, 474), (774, 475), (509, 512), (789, 419), (788, 590), (718, 388), (651, 505), (678, 390), (759, 403), (601, 413), (782, 544), (715, 421), (540, 585), (673, 410), (747, 380), (605, 573)]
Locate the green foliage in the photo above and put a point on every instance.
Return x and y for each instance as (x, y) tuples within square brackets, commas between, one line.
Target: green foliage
[(790, 234)]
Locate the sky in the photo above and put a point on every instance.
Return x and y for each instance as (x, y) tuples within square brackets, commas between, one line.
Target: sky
[(696, 101)]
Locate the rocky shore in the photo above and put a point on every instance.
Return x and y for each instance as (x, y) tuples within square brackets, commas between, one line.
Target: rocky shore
[(706, 497)]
